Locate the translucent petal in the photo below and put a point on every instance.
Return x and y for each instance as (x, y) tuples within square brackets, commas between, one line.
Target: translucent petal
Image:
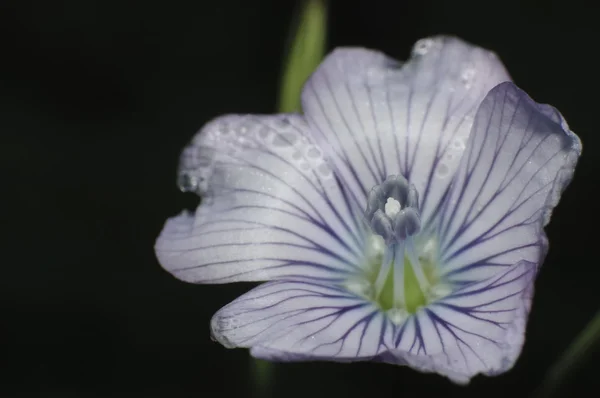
[(520, 157), (477, 329), (291, 321), (271, 207), (376, 117)]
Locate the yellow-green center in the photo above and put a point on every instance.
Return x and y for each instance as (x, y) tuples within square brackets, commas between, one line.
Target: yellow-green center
[(414, 296)]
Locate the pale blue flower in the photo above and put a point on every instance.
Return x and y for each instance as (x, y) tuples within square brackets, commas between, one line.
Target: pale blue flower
[(399, 218)]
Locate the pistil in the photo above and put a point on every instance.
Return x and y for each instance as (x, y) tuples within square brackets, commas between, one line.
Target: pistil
[(393, 213)]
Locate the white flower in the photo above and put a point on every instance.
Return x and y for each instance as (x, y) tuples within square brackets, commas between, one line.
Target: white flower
[(399, 218)]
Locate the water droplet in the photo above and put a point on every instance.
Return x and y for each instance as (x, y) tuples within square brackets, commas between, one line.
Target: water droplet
[(466, 77), (222, 126), (442, 170), (263, 133), (284, 139), (187, 182), (324, 170), (305, 166), (313, 153), (422, 46), (296, 155), (203, 160), (458, 143), (282, 122)]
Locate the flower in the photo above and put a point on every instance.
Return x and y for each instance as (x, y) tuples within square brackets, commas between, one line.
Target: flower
[(399, 218)]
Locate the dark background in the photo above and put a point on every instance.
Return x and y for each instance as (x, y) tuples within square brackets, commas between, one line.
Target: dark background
[(97, 98)]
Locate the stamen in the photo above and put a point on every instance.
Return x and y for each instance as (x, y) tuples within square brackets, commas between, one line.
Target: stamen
[(416, 265), (399, 298), (401, 282), (384, 270)]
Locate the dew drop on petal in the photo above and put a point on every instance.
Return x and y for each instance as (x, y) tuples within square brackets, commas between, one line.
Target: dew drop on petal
[(221, 129), (263, 133), (284, 139), (187, 182), (422, 46), (458, 143), (193, 181), (324, 170), (442, 170), (282, 122), (313, 153), (466, 77)]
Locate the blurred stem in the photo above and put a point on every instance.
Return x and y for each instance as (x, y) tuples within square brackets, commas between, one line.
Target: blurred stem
[(583, 345), (262, 374), (305, 52)]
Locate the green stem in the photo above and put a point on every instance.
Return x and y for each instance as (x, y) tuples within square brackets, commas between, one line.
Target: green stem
[(573, 357), (306, 51), (262, 376)]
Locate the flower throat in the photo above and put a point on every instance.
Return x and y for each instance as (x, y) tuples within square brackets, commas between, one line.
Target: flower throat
[(401, 280)]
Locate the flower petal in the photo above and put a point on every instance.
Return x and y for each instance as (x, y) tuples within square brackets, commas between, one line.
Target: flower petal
[(271, 207), (291, 321), (477, 329), (376, 117), (520, 157)]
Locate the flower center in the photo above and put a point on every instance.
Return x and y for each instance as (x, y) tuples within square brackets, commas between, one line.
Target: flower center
[(401, 276)]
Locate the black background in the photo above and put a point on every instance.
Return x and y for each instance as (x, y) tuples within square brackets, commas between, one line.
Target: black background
[(97, 98)]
